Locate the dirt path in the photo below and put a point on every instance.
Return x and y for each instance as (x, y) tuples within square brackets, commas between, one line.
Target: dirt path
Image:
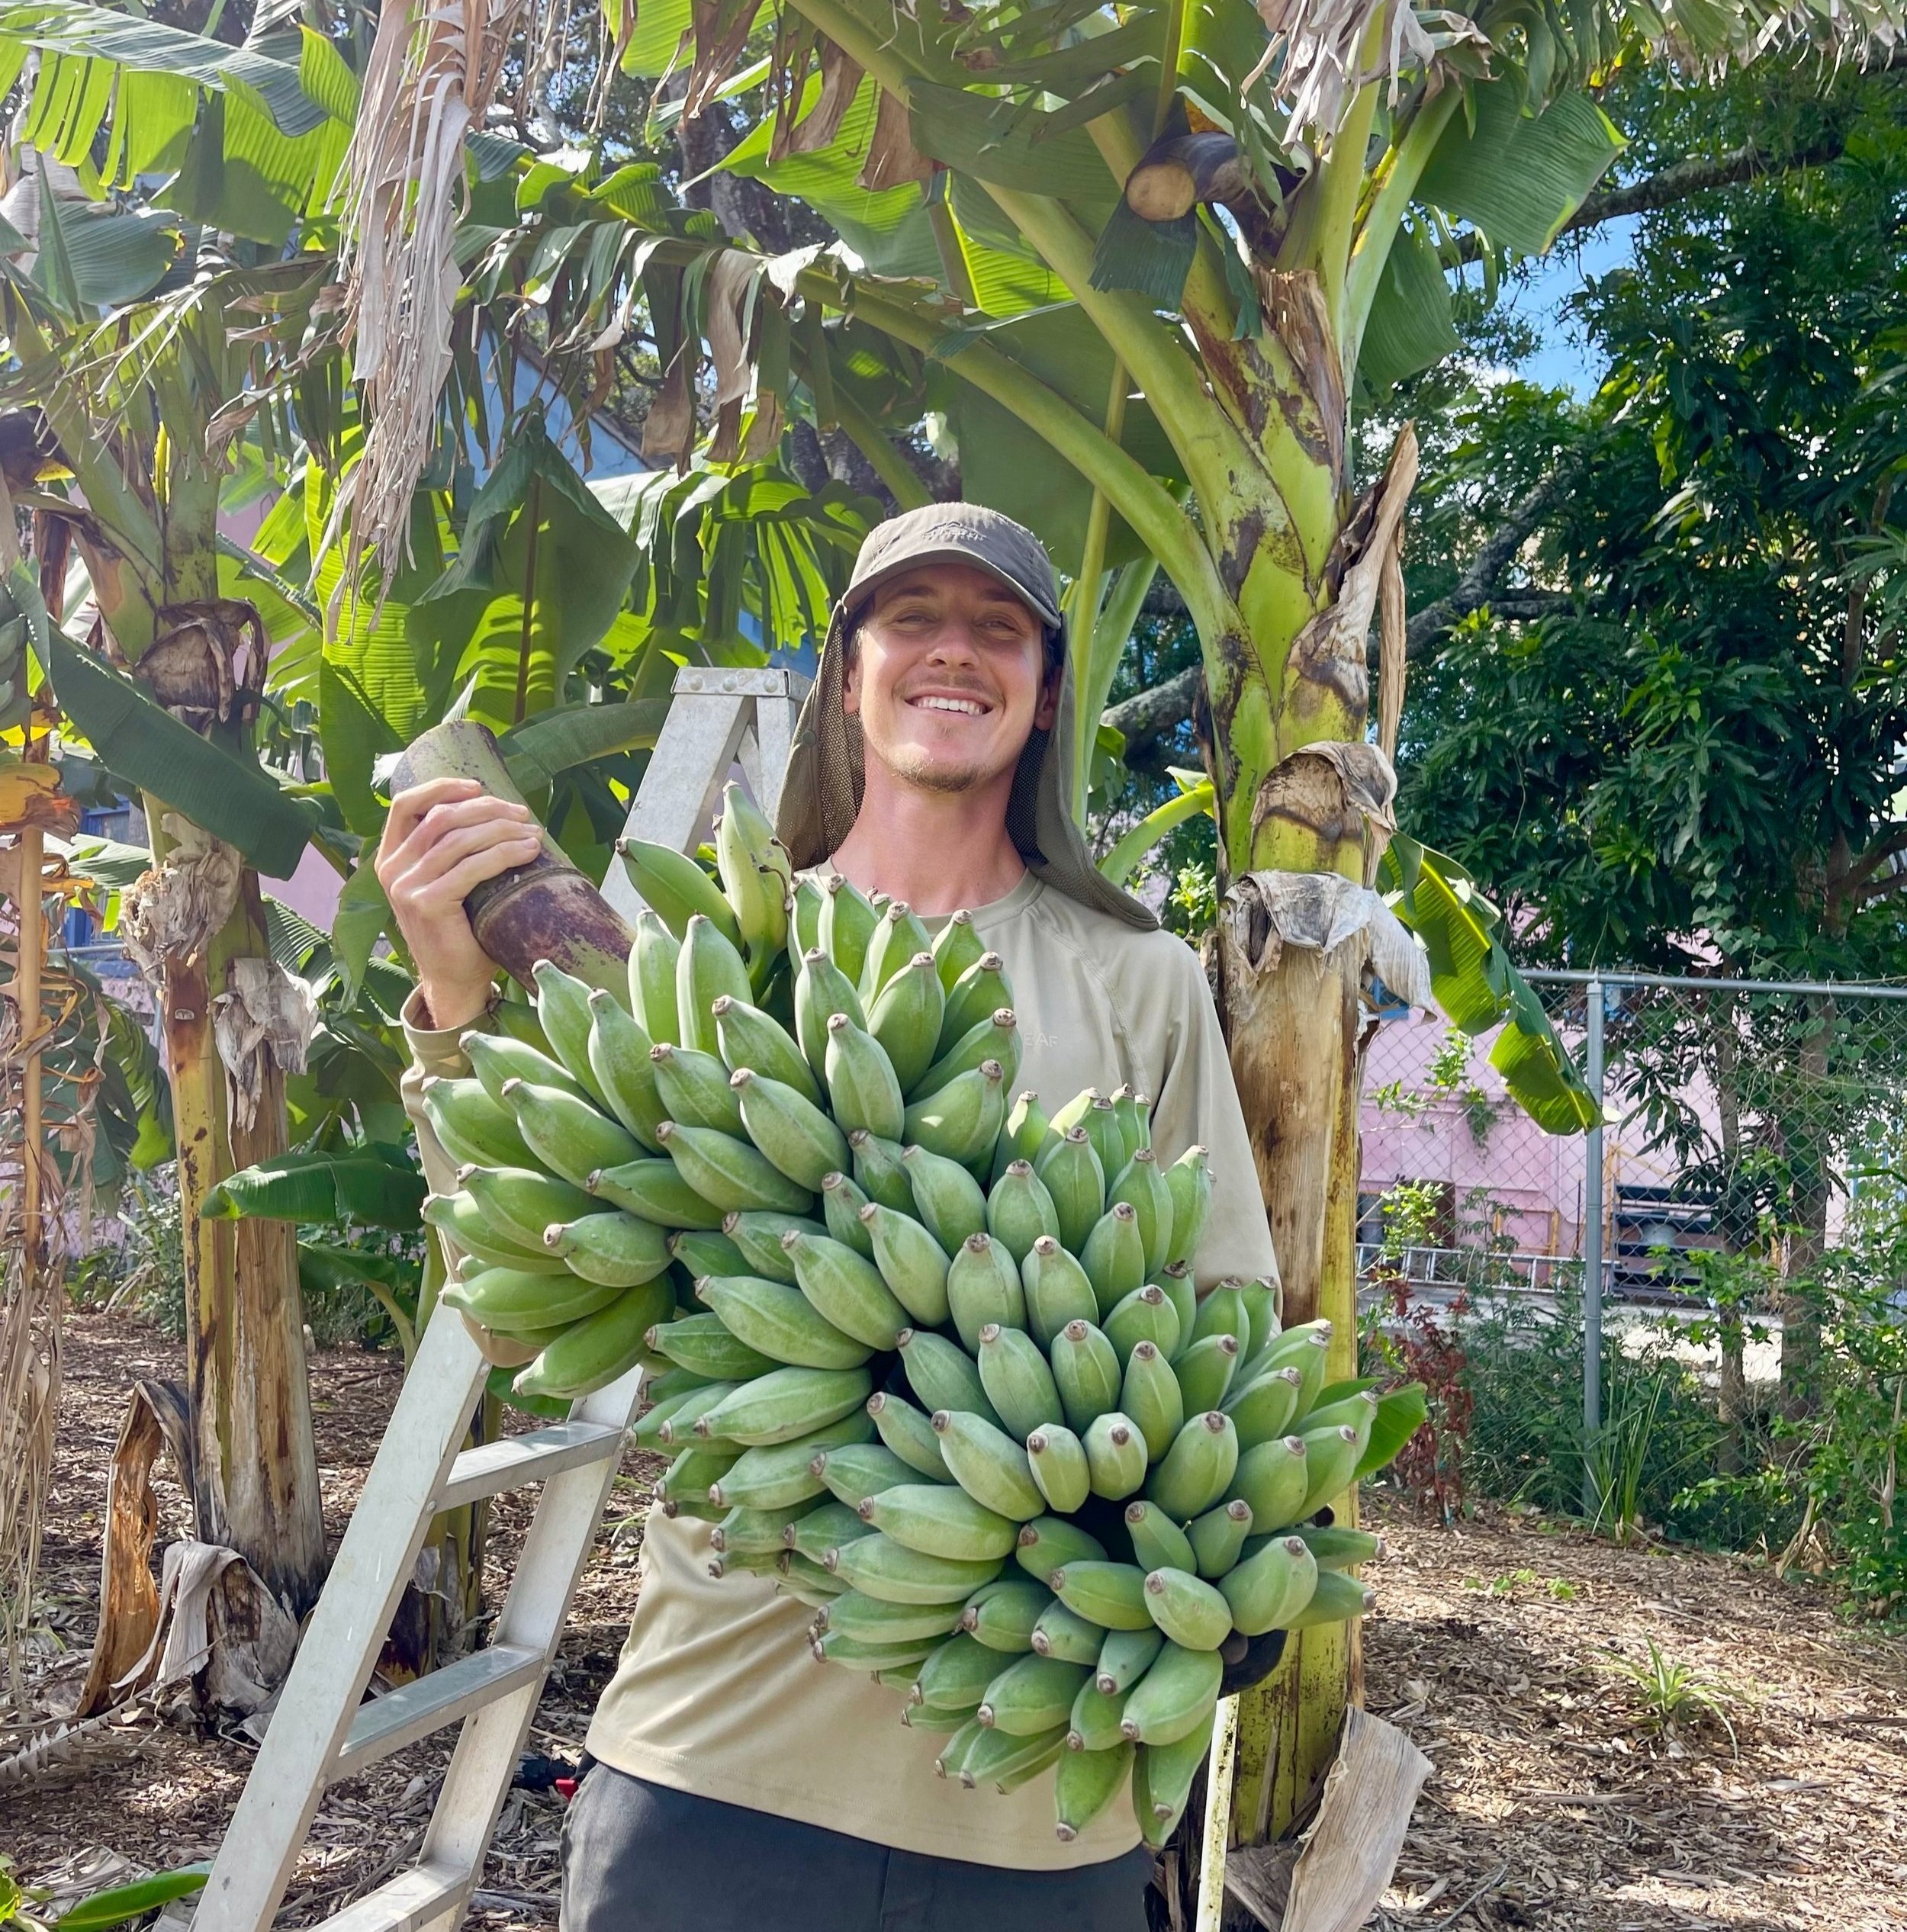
[(1551, 1805)]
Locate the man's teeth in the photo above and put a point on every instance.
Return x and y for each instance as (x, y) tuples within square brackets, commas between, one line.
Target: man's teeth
[(965, 706)]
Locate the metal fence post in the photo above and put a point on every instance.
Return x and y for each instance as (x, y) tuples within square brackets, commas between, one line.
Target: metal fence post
[(1593, 1252)]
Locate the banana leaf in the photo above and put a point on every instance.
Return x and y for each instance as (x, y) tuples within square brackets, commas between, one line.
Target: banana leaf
[(1118, 863), (370, 1188)]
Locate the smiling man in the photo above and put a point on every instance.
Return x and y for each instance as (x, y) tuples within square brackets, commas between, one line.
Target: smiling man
[(740, 1786)]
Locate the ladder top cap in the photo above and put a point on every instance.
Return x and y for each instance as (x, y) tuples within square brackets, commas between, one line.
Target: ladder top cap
[(771, 681)]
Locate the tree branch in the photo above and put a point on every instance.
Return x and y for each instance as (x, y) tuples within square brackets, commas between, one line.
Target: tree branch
[(1892, 842), (1148, 715)]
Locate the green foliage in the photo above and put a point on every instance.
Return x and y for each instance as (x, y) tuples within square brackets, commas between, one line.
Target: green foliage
[(1672, 1696), (116, 1905)]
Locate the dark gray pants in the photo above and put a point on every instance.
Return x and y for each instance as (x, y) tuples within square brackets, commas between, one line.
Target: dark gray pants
[(639, 1857)]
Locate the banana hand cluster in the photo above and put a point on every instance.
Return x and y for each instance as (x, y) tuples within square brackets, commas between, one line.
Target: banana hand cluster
[(927, 1357)]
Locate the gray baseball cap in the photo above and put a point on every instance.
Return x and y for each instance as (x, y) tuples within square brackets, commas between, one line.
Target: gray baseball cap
[(821, 792)]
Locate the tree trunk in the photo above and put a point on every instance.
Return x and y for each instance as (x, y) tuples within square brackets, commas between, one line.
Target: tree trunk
[(255, 1474)]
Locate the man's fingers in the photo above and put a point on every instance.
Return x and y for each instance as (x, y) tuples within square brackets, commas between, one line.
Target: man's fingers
[(450, 888), (409, 806), (508, 847), (493, 816)]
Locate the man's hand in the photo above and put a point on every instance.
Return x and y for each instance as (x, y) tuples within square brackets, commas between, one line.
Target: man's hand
[(440, 841)]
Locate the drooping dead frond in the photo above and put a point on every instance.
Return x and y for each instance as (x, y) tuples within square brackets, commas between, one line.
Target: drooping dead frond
[(434, 68), (1316, 48)]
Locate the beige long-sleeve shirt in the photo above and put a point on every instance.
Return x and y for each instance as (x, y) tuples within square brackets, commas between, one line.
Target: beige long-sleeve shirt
[(716, 1693)]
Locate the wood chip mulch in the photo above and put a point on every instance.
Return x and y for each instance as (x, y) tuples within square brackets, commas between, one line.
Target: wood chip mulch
[(1553, 1804)]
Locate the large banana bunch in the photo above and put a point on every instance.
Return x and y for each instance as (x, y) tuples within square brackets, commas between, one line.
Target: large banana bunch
[(927, 1356)]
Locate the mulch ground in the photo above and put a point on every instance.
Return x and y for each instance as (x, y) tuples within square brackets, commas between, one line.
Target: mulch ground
[(1555, 1802)]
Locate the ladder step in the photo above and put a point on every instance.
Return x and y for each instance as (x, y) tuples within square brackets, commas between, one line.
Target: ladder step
[(446, 1696), (532, 1457), (412, 1898)]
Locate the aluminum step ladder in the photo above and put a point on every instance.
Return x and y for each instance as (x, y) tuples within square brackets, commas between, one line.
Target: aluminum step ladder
[(321, 1731)]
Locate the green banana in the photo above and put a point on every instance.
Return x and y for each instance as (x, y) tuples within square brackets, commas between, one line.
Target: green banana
[(1174, 1697), (645, 1428), (709, 965), (693, 1088), (1085, 1783), (1125, 1657), (1174, 1280), (1197, 1470), (939, 1519), (942, 1373), (804, 916), (1114, 1256), (756, 1238), (1263, 1299), (983, 1286), (780, 1322), (747, 1037), (518, 1202), (1018, 1383), (678, 1426), (755, 888), (956, 1676), (808, 1583), (825, 1527), (1338, 1547), (947, 1198), (727, 1173), (695, 1471), (848, 923), (1059, 1468), (860, 1470), (1031, 1696), (1072, 1114), (653, 1191), (997, 1037), (962, 1121), (909, 1434), (880, 1567), (703, 1251), (1050, 1543), (511, 1302), (459, 1219), (1101, 1123), (956, 945), (1331, 1458), (472, 1127), (1306, 1349), (562, 1012), (1063, 1634), (1168, 1774), (1269, 1587), (1057, 1290), (1205, 1371), (955, 1752), (868, 1620), (1019, 1211), (980, 991), (1222, 1312), (1158, 1543), (1145, 1315), (841, 1201), (496, 1057), (592, 1353), (905, 1016), (822, 991), (988, 1464), (1262, 1408), (898, 938), (1115, 1455), (1192, 1613), (1112, 1595), (1023, 1134), (1141, 1186), (878, 1172), (846, 1288), (1151, 1396), (1134, 1113), (833, 1647), (779, 1475), (1093, 1723), (1189, 1182), (911, 1262), (1002, 1615), (745, 1531), (1073, 1178), (1335, 1598), (675, 888), (617, 1250), (652, 962), (618, 1052), (568, 1135), (1357, 1411), (1085, 1368), (1273, 1477), (863, 1091), (798, 1138), (785, 1403), (705, 1344), (1217, 1538), (1005, 1761)]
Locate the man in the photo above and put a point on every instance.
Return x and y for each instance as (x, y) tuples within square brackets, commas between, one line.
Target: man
[(740, 1787)]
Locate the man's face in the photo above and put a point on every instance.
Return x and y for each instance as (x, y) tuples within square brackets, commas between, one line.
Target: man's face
[(949, 677)]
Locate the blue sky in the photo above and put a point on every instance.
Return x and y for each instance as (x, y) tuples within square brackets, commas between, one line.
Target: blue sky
[(1562, 362)]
